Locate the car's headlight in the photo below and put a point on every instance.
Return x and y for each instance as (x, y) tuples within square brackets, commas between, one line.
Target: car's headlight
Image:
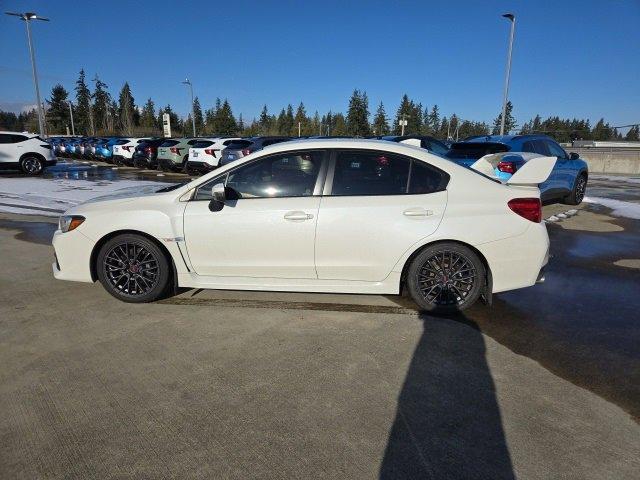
[(70, 222)]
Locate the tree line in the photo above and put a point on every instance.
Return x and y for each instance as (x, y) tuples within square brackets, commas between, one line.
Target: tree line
[(96, 112)]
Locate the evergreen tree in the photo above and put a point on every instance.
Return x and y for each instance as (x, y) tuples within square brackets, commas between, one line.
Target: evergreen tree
[(339, 125), (173, 119), (265, 122), (302, 120), (602, 131), (380, 123), (240, 124), (83, 116), (126, 109), (225, 121), (316, 124), (197, 111), (148, 117), (509, 123), (58, 112), (101, 105), (10, 121), (358, 115), (633, 135), (410, 112), (282, 123), (433, 121)]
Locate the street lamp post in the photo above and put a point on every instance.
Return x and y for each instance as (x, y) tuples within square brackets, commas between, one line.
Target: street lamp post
[(193, 113), (512, 19), (73, 128), (27, 17)]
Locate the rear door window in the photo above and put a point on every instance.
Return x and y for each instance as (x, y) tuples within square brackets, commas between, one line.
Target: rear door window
[(425, 178), (370, 173), (202, 144), (555, 149), (169, 143)]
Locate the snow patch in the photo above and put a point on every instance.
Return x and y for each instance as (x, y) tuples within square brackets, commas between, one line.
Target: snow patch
[(52, 197), (620, 208)]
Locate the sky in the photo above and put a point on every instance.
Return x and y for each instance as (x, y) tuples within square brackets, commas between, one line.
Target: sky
[(571, 58)]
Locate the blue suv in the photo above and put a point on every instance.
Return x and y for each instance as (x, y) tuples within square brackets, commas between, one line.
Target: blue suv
[(567, 182)]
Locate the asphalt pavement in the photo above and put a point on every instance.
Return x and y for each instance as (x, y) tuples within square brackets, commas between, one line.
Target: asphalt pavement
[(211, 384)]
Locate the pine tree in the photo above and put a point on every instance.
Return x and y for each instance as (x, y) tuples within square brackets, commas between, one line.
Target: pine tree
[(126, 109), (264, 123), (509, 123), (434, 121), (58, 112), (148, 117), (380, 122), (358, 115), (602, 131), (316, 124), (225, 121), (633, 135), (339, 125), (83, 116), (302, 120), (101, 105), (197, 111)]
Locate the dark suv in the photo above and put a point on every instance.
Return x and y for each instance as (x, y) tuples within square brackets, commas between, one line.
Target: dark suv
[(145, 154)]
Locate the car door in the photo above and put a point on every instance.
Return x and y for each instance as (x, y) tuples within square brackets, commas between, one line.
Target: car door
[(563, 176), (375, 206), (267, 225)]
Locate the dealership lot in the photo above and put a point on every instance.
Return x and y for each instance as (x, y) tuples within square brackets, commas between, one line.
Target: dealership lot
[(252, 385)]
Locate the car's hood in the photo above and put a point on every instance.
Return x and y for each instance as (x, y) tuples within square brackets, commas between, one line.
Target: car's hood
[(128, 193)]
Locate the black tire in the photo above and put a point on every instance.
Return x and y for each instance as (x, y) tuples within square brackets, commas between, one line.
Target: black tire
[(133, 269), (31, 165), (577, 194), (445, 278)]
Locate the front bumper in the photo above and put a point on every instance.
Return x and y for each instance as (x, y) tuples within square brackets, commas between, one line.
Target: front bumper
[(72, 256)]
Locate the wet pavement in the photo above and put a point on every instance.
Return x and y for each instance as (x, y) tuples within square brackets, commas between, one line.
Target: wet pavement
[(582, 323)]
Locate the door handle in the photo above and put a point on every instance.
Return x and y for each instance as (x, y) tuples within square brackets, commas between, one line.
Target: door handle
[(417, 212), (297, 215)]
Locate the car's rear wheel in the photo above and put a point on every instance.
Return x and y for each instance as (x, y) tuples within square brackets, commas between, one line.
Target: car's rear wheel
[(579, 189), (133, 269), (31, 165), (445, 277)]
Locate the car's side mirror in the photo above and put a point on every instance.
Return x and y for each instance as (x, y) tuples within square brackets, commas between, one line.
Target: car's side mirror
[(218, 197), (573, 156)]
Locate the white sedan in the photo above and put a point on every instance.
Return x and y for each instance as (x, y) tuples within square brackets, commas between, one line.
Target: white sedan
[(334, 215)]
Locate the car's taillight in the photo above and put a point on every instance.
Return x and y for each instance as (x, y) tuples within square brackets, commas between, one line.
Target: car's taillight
[(529, 208), (210, 151), (175, 150), (127, 148), (246, 152), (507, 167), (149, 149)]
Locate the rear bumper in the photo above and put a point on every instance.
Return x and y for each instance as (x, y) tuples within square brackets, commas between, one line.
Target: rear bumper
[(517, 262), (168, 164), (201, 167)]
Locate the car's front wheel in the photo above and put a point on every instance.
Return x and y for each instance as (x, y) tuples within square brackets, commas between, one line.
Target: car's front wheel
[(133, 269), (446, 277), (579, 189), (31, 165)]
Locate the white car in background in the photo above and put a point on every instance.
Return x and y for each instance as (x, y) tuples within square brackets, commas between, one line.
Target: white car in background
[(333, 216), (205, 155), (124, 149), (26, 152)]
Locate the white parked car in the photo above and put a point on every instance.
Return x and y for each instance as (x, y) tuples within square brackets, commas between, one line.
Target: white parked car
[(26, 152), (205, 155), (124, 149), (335, 215)]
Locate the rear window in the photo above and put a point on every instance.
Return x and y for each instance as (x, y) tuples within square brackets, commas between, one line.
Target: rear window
[(273, 141), (202, 144), (169, 143), (122, 142), (475, 151), (238, 144)]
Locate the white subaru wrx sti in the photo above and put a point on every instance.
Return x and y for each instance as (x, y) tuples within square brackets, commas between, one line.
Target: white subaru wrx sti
[(334, 215)]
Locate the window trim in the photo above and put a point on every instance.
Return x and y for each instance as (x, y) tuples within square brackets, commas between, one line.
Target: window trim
[(328, 186), (317, 189)]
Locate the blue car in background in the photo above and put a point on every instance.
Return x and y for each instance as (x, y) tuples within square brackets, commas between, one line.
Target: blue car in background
[(104, 149), (69, 146), (567, 182)]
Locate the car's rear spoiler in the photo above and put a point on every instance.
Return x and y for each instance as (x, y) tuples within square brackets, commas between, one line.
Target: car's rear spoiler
[(535, 170)]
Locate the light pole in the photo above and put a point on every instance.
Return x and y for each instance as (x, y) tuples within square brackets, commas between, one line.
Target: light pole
[(193, 114), (27, 17), (73, 128), (512, 19)]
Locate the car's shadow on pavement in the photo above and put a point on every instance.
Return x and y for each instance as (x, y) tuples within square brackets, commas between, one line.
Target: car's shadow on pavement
[(447, 423)]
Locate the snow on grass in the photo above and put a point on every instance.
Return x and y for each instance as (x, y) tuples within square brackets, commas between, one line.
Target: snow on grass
[(52, 197), (619, 207)]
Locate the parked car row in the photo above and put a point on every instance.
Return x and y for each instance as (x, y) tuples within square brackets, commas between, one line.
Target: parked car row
[(199, 155)]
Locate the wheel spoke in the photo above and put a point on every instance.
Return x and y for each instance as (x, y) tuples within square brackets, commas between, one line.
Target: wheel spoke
[(446, 278), (131, 269)]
